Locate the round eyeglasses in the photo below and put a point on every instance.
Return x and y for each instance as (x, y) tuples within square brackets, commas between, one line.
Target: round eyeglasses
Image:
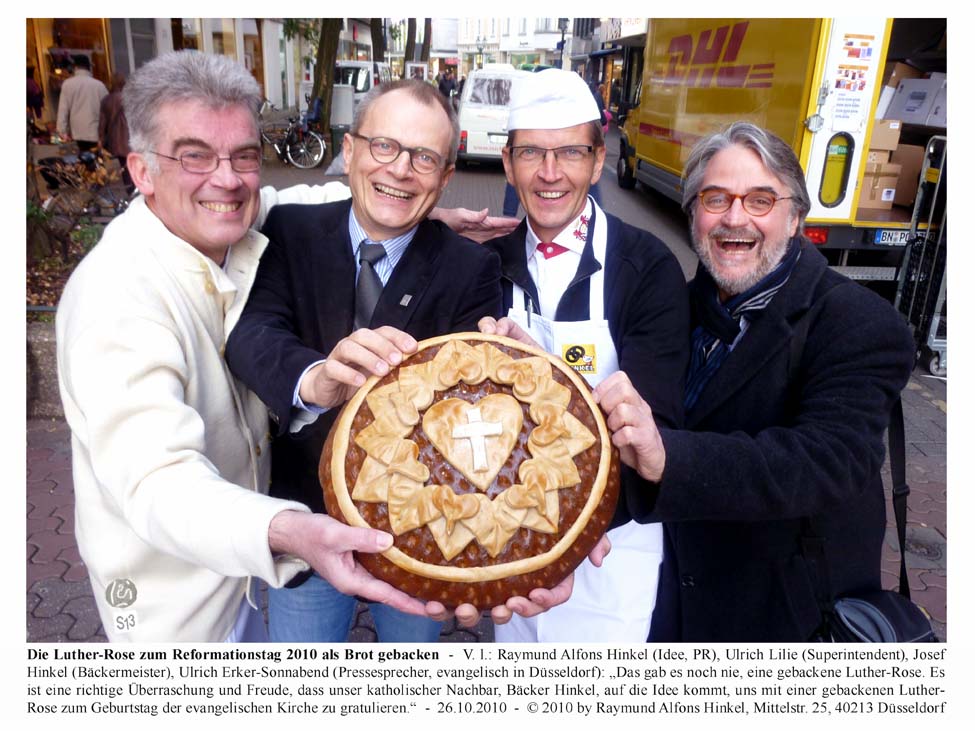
[(755, 202), (532, 155), (387, 150), (202, 162)]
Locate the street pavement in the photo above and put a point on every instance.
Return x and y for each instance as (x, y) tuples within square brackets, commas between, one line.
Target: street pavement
[(60, 605)]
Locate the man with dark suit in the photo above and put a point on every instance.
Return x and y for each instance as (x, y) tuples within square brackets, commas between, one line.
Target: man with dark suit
[(780, 441), (344, 291)]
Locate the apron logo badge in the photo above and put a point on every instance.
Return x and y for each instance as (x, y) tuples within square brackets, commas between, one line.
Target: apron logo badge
[(580, 358)]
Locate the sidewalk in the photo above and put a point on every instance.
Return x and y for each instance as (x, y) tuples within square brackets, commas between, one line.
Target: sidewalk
[(61, 608)]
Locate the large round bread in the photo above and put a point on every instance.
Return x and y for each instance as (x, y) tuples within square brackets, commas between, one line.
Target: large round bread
[(481, 518)]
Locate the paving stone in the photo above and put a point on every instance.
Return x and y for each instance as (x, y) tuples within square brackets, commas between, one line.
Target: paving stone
[(937, 579), (87, 623), (41, 572), (49, 629), (49, 543), (45, 501), (39, 525), (934, 601), (76, 572), (362, 634)]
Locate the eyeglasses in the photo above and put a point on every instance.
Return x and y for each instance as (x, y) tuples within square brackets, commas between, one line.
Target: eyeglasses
[(571, 154), (755, 202), (202, 162), (387, 150)]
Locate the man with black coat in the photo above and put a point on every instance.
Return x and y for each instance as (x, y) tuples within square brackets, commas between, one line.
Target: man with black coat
[(774, 446)]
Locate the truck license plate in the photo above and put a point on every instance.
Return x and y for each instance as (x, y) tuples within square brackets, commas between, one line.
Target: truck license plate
[(892, 237)]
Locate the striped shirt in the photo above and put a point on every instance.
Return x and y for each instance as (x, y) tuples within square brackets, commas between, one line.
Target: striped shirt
[(395, 248)]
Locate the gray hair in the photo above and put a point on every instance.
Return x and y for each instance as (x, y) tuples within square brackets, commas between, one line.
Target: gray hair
[(180, 76), (421, 91), (777, 157)]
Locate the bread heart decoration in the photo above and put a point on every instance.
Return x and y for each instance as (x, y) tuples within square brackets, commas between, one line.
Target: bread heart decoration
[(476, 439)]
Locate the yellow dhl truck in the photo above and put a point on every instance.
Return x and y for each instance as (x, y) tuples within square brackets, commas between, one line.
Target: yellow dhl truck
[(817, 84)]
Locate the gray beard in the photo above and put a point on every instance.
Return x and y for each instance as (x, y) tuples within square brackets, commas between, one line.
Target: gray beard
[(769, 259)]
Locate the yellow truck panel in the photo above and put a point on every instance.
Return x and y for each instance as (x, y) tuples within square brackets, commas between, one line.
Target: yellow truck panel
[(704, 74)]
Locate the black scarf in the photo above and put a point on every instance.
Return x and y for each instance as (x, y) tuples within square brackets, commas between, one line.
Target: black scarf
[(719, 323)]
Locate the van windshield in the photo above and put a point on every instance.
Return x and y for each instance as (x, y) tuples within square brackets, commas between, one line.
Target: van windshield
[(491, 91), (357, 76)]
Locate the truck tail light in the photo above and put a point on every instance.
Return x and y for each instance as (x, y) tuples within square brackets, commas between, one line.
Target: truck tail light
[(817, 234), (462, 147)]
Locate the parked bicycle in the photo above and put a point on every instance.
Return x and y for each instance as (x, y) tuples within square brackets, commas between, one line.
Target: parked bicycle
[(83, 192), (294, 143)]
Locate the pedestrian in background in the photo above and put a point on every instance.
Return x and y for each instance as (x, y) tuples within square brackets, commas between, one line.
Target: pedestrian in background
[(78, 108), (113, 130), (35, 96)]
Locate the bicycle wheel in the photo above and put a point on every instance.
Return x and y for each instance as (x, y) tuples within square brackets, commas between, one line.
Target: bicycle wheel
[(65, 210), (305, 150)]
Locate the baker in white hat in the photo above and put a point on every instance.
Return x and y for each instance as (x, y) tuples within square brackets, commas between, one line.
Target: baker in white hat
[(604, 296)]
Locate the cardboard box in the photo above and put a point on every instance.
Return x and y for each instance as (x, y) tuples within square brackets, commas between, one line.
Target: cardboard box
[(886, 134), (883, 103), (938, 116), (895, 72), (913, 100), (879, 186), (911, 160), (878, 156)]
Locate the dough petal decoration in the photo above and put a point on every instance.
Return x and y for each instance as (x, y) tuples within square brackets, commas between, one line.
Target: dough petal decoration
[(544, 520), (410, 505), (392, 474)]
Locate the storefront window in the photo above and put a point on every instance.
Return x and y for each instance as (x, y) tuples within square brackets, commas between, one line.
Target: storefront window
[(133, 43), (253, 50), (71, 37), (186, 34), (221, 32)]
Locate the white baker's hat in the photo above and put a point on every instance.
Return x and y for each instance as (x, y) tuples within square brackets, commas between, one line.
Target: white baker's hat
[(550, 99)]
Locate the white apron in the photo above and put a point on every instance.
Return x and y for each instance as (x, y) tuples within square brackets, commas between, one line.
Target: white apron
[(612, 603)]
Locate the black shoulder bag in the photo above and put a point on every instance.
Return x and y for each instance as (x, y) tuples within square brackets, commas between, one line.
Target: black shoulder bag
[(870, 616)]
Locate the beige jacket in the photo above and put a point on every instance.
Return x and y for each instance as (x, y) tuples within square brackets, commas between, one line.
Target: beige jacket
[(170, 452), (79, 106)]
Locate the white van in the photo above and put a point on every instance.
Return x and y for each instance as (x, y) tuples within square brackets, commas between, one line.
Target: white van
[(361, 76), (483, 111)]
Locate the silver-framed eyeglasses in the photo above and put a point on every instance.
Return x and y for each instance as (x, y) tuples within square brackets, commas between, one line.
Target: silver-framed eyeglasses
[(533, 155), (387, 150), (202, 162), (755, 202)]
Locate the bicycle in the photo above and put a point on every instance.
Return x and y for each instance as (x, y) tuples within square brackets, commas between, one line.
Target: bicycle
[(295, 143), (84, 193)]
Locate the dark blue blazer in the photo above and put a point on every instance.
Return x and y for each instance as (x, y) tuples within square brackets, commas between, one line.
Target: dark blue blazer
[(302, 304)]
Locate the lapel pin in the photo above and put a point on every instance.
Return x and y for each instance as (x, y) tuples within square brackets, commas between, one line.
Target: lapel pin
[(406, 300)]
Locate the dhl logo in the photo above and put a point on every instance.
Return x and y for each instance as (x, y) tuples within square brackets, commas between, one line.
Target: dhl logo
[(710, 61)]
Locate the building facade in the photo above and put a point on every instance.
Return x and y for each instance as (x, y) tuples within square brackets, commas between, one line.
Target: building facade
[(121, 45)]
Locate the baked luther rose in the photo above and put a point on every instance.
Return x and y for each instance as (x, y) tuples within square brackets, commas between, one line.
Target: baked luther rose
[(487, 460)]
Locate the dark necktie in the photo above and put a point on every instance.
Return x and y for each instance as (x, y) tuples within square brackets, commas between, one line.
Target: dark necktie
[(369, 286)]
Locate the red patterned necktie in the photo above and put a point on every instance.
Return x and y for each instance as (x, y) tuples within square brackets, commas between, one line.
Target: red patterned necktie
[(549, 249)]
